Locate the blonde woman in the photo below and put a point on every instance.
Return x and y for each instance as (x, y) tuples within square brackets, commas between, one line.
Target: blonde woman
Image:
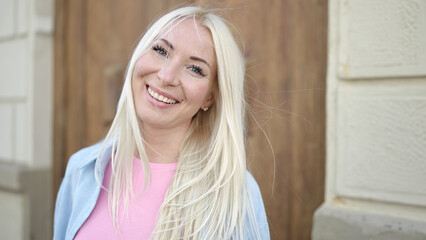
[(173, 164)]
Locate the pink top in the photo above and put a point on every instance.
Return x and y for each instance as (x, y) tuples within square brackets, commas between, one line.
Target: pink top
[(142, 212)]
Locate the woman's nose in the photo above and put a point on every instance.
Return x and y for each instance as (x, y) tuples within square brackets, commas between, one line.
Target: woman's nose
[(168, 73)]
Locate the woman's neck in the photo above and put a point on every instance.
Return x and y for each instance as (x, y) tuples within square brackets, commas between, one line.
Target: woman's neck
[(163, 145)]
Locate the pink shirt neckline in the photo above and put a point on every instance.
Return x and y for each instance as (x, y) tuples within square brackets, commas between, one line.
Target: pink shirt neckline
[(142, 212), (154, 165)]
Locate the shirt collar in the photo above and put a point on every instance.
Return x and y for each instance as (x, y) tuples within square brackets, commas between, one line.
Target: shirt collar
[(103, 159)]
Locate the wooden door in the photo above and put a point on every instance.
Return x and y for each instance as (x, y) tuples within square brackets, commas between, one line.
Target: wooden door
[(284, 42), (286, 46)]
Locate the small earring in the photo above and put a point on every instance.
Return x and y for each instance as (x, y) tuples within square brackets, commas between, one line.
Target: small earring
[(205, 109)]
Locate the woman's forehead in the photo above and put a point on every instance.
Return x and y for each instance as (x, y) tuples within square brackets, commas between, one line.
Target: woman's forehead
[(189, 29), (191, 36)]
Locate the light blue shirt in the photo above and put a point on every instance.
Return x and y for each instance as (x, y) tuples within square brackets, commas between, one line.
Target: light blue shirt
[(79, 192)]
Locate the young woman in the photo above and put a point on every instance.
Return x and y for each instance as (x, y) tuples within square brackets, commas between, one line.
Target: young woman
[(173, 164)]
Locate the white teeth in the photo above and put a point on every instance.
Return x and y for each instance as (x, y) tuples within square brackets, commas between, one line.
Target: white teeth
[(159, 97)]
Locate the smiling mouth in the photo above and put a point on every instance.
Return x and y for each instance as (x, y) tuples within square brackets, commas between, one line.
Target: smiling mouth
[(160, 97)]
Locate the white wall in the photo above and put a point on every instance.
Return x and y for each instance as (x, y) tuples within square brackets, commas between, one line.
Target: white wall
[(376, 120), (26, 100)]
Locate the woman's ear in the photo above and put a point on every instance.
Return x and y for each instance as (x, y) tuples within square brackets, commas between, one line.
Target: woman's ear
[(209, 101)]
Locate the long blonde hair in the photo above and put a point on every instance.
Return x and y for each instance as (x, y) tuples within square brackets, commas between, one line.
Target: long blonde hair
[(208, 197)]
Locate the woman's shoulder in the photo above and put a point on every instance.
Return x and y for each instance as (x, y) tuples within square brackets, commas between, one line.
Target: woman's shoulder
[(256, 201), (254, 192), (84, 156), (77, 187), (252, 185)]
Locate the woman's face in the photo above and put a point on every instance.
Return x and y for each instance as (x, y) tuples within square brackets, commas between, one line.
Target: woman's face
[(173, 79)]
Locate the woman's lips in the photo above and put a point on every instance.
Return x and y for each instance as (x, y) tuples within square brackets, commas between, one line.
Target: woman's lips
[(160, 97)]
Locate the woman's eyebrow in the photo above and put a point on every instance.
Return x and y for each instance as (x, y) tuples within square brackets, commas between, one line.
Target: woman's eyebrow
[(200, 60), (170, 45)]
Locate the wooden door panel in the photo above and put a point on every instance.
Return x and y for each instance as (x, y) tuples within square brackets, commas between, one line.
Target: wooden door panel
[(285, 44)]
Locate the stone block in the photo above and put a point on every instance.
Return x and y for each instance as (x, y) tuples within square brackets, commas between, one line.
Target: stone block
[(14, 62), (7, 18), (42, 101), (22, 16), (382, 38), (13, 220), (25, 191), (381, 144), (22, 139), (6, 131), (44, 16), (337, 223)]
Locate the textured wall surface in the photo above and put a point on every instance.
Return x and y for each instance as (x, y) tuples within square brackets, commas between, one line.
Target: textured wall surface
[(13, 68), (382, 38), (376, 121), (339, 222), (26, 70), (381, 143), (13, 216), (14, 73)]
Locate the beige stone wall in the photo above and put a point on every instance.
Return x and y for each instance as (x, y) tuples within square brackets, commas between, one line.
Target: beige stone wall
[(26, 100), (376, 127)]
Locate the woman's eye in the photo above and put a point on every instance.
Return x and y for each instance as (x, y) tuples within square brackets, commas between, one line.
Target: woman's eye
[(160, 50), (197, 70)]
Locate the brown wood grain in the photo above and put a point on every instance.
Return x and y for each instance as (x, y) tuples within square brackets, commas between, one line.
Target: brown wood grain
[(75, 25), (59, 97), (285, 46), (285, 43)]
